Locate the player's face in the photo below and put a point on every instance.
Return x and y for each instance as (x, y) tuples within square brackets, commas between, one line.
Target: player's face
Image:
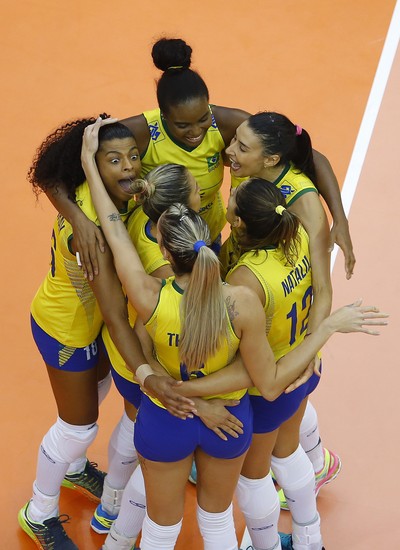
[(188, 122), (194, 197), (119, 164), (231, 215), (245, 153)]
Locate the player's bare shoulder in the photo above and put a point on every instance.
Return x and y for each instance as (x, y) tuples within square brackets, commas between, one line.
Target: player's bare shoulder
[(240, 302)]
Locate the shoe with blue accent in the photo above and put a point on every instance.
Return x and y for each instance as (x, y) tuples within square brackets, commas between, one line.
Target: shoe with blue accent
[(305, 537), (101, 521), (49, 535), (193, 474), (287, 542), (89, 482)]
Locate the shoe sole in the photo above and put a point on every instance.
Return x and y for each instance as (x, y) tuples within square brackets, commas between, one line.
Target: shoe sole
[(100, 531), (85, 492), (27, 529)]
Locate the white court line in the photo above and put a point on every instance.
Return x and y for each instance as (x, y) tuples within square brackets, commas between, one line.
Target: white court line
[(364, 136), (370, 115)]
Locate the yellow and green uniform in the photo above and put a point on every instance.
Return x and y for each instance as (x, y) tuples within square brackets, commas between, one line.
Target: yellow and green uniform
[(164, 329), (292, 183), (288, 294), (64, 305), (204, 162)]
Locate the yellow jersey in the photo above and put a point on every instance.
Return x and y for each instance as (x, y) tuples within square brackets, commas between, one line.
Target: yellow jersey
[(292, 184), (204, 162), (64, 305), (164, 328), (288, 294)]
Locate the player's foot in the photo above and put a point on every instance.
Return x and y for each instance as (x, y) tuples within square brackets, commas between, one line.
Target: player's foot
[(116, 541), (287, 541), (101, 521), (331, 469), (89, 482), (193, 474), (49, 535)]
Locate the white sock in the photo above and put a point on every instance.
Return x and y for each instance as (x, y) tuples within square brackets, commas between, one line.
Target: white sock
[(41, 506), (103, 387), (133, 507), (295, 475), (155, 537), (310, 438), (122, 456), (259, 503), (217, 529)]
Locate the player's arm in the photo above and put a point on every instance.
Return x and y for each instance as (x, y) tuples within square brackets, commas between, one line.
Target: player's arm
[(138, 126), (88, 239), (228, 120), (312, 215), (329, 188)]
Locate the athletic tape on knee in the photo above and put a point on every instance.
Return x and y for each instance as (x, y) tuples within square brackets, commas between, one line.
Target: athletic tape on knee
[(66, 443)]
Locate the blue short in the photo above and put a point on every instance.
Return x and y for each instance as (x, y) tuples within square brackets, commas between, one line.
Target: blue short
[(129, 390), (64, 357), (269, 415), (161, 437)]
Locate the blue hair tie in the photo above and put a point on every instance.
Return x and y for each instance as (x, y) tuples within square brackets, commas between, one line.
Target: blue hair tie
[(197, 245)]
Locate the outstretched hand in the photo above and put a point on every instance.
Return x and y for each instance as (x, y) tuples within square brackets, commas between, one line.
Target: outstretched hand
[(357, 318)]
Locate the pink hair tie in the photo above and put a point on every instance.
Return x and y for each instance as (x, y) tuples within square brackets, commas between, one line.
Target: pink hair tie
[(299, 129)]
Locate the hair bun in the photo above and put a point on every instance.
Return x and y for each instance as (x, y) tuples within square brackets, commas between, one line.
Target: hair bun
[(171, 52)]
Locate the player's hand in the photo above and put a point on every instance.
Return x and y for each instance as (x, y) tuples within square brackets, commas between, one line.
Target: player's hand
[(90, 141), (314, 367), (163, 388), (216, 417), (88, 240), (340, 235), (357, 318)]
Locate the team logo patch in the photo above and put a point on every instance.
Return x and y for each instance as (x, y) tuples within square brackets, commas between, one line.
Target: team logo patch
[(155, 131), (286, 190), (213, 162)]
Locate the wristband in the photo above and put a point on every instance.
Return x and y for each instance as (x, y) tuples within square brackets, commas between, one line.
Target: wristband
[(142, 372)]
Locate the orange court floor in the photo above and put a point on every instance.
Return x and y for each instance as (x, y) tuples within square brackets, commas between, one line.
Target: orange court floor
[(314, 61)]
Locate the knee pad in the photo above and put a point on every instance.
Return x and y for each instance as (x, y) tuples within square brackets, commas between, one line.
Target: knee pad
[(293, 471), (257, 498), (66, 443)]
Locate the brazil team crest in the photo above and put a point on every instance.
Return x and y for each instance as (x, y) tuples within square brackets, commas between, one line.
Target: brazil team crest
[(213, 162)]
